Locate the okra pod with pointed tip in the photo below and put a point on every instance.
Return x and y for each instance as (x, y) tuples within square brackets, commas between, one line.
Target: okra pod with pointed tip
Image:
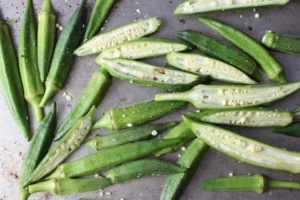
[(291, 130)]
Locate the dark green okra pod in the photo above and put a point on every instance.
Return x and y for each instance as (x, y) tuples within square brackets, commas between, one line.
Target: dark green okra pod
[(91, 96), (38, 148), (291, 130), (10, 81), (28, 63), (138, 114), (125, 136), (63, 56), (250, 183)]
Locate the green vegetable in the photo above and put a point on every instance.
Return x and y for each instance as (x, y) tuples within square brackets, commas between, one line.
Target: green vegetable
[(99, 13), (176, 184), (221, 51), (37, 149), (63, 56), (282, 42), (28, 63), (91, 96), (237, 96), (118, 35), (206, 66), (137, 114), (129, 135), (267, 62), (291, 130), (109, 158), (150, 75), (10, 81), (46, 38), (62, 150), (251, 183), (199, 6), (244, 149), (143, 48)]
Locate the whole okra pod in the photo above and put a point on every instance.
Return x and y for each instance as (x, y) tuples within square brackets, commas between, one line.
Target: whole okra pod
[(291, 130)]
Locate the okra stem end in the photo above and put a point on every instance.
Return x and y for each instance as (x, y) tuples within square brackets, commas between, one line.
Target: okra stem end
[(47, 7), (276, 184), (51, 89), (269, 39), (46, 186), (104, 122)]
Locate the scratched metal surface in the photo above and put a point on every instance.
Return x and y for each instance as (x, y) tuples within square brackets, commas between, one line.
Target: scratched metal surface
[(13, 146)]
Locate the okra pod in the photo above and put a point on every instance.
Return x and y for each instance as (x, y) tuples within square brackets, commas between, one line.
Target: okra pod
[(63, 56), (46, 38), (267, 62), (282, 42), (200, 6), (98, 15), (71, 141), (109, 158), (291, 130), (150, 75), (251, 183), (91, 96), (176, 184), (129, 135), (118, 35), (143, 48), (28, 63), (244, 149), (237, 96), (10, 81), (137, 114), (206, 66)]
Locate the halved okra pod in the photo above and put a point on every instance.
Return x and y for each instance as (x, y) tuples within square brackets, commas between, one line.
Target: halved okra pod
[(46, 38), (267, 62), (250, 183), (150, 75), (137, 114), (282, 42), (206, 66), (176, 184), (244, 149), (108, 158), (236, 96), (199, 6), (28, 63), (118, 35), (63, 56), (10, 81), (129, 135), (143, 48), (62, 150), (91, 96)]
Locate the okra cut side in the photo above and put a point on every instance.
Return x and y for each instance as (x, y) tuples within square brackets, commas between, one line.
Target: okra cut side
[(118, 35), (150, 75), (200, 6), (235, 96)]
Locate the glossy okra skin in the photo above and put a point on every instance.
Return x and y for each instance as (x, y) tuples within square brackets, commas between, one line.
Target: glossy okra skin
[(10, 81), (236, 96), (267, 62), (37, 149), (118, 35), (282, 42), (150, 75), (108, 158), (205, 66), (98, 15), (137, 114), (91, 96), (176, 184), (199, 6), (129, 135), (249, 117), (63, 56), (46, 38), (291, 130), (143, 48), (28, 63), (251, 183), (62, 150), (244, 149)]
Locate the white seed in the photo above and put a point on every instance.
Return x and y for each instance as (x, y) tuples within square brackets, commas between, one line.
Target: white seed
[(183, 148), (69, 97), (129, 125), (230, 174), (108, 193), (257, 16), (101, 194), (154, 133)]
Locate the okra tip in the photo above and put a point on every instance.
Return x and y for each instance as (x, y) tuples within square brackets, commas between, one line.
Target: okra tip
[(47, 7)]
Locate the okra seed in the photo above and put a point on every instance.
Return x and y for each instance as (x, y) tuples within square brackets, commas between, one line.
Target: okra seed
[(101, 194), (129, 125), (230, 174), (154, 133), (108, 193)]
